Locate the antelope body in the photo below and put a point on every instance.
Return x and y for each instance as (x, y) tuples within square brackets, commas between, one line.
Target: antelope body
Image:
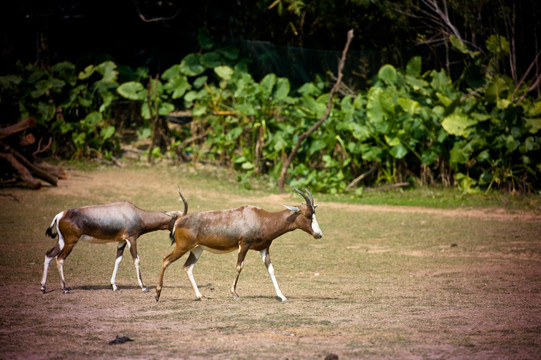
[(244, 228), (120, 222)]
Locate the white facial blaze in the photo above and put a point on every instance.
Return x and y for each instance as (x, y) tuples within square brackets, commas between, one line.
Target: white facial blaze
[(315, 226)]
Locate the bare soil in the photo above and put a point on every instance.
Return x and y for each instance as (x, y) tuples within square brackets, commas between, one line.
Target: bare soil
[(383, 282)]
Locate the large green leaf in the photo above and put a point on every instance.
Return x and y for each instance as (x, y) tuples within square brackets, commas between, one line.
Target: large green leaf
[(41, 87), (171, 73), (92, 120), (458, 124), (316, 146), (267, 84), (457, 155), (225, 72), (211, 60), (87, 72), (246, 109), (458, 45), (359, 132), (413, 68), (108, 70), (387, 74), (415, 83), (107, 132), (47, 110), (379, 108), (281, 90), (177, 86), (191, 66), (496, 89), (408, 105), (132, 90), (441, 82), (166, 108), (398, 151)]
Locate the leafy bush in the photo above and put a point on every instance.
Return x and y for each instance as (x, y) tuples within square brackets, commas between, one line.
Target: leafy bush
[(409, 126), (72, 107)]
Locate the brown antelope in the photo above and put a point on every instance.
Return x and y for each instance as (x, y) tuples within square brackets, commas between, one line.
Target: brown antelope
[(120, 222), (244, 228)]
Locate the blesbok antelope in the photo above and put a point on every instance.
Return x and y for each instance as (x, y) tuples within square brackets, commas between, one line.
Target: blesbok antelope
[(120, 222), (244, 228)]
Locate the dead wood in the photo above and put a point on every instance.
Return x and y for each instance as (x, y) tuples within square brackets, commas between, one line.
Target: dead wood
[(23, 167), (360, 178), (16, 128)]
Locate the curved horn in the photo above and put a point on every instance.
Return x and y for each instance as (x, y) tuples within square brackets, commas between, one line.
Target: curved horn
[(311, 197), (184, 201), (306, 198)]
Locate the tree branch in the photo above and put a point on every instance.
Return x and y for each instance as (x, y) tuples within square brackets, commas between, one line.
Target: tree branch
[(314, 127)]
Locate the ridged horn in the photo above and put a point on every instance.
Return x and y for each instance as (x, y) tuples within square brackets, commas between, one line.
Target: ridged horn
[(184, 201), (309, 200)]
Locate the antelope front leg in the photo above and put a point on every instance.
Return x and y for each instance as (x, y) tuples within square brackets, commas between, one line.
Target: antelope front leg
[(266, 259), (188, 268), (60, 266), (177, 253)]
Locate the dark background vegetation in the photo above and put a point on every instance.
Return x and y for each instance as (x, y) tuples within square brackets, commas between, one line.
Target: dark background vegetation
[(157, 33)]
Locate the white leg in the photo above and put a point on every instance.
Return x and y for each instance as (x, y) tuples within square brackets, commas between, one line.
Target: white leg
[(138, 270), (115, 270), (266, 259), (60, 265), (188, 268), (45, 271), (119, 253)]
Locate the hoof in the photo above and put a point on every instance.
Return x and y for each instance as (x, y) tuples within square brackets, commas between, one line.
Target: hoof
[(202, 298), (66, 291), (115, 288), (146, 290), (157, 298), (42, 289)]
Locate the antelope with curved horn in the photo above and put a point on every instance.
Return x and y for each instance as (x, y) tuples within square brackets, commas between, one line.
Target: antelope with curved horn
[(122, 222), (244, 228)]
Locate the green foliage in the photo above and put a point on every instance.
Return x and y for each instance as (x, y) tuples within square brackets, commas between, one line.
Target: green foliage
[(72, 107), (411, 126), (420, 127)]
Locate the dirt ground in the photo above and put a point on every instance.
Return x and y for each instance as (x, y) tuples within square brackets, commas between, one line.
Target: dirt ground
[(383, 282)]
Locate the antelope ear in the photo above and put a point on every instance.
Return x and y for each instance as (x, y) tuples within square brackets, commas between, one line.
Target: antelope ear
[(292, 208)]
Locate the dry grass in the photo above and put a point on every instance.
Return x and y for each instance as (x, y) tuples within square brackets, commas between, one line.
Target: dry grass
[(383, 282)]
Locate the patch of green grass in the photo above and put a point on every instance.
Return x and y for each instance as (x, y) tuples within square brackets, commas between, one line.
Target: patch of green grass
[(442, 198)]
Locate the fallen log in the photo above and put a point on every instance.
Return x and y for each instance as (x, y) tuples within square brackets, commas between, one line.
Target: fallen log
[(23, 172), (26, 168), (16, 128)]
